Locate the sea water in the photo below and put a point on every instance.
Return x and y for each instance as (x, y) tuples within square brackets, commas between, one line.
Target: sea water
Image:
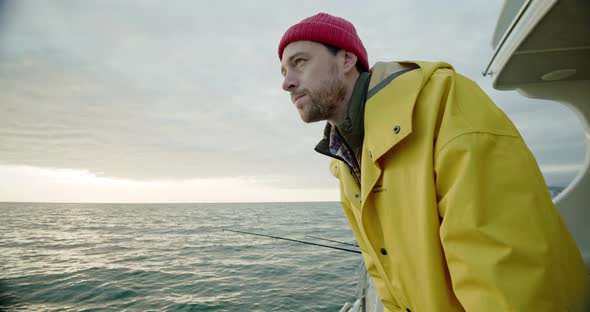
[(174, 257)]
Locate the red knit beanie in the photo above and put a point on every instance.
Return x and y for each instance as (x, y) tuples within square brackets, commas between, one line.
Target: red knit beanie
[(330, 30)]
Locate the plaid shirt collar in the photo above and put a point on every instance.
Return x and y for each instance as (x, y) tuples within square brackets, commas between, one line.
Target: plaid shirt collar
[(338, 148)]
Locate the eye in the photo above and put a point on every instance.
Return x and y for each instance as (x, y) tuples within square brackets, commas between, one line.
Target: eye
[(298, 62)]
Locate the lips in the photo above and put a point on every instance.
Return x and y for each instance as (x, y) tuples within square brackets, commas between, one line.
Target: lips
[(295, 97)]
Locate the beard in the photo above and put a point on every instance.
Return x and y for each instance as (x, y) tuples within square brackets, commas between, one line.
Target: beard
[(325, 100)]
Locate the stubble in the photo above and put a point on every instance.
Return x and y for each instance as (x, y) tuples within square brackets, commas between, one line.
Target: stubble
[(324, 101)]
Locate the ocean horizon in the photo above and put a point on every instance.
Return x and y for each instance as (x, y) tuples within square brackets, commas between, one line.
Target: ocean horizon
[(176, 257)]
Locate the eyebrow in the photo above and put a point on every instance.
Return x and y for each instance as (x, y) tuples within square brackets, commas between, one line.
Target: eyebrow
[(291, 60), (294, 56)]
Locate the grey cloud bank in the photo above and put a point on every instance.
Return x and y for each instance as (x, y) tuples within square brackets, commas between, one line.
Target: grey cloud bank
[(190, 89)]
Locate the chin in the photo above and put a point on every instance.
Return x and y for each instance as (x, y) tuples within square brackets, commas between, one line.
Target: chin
[(310, 120), (310, 116)]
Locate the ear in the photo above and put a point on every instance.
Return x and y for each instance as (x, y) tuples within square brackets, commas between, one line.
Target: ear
[(349, 61)]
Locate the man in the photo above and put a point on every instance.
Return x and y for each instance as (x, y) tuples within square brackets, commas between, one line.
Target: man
[(446, 201)]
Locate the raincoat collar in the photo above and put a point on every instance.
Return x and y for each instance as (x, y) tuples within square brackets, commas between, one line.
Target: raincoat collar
[(390, 106)]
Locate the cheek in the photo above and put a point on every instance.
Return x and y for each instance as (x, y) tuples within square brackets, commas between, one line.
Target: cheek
[(311, 80)]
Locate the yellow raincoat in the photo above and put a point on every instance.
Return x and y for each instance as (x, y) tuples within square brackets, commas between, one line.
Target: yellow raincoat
[(453, 213)]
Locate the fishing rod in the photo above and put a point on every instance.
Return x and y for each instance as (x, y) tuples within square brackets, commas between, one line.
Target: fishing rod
[(331, 240), (292, 240)]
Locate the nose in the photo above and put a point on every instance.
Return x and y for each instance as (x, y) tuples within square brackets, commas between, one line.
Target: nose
[(289, 82)]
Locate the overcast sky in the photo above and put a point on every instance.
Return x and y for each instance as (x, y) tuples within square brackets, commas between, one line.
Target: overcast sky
[(180, 101)]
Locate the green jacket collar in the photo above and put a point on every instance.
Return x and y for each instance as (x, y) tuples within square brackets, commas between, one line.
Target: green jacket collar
[(352, 128)]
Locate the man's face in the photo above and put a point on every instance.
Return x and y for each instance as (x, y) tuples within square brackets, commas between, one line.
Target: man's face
[(314, 78)]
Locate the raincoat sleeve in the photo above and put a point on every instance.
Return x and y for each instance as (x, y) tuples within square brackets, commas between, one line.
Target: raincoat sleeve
[(505, 244)]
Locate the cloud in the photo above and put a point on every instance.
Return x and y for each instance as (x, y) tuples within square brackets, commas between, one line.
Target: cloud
[(148, 91)]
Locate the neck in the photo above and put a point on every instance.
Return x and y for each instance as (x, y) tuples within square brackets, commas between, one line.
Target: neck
[(340, 113)]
